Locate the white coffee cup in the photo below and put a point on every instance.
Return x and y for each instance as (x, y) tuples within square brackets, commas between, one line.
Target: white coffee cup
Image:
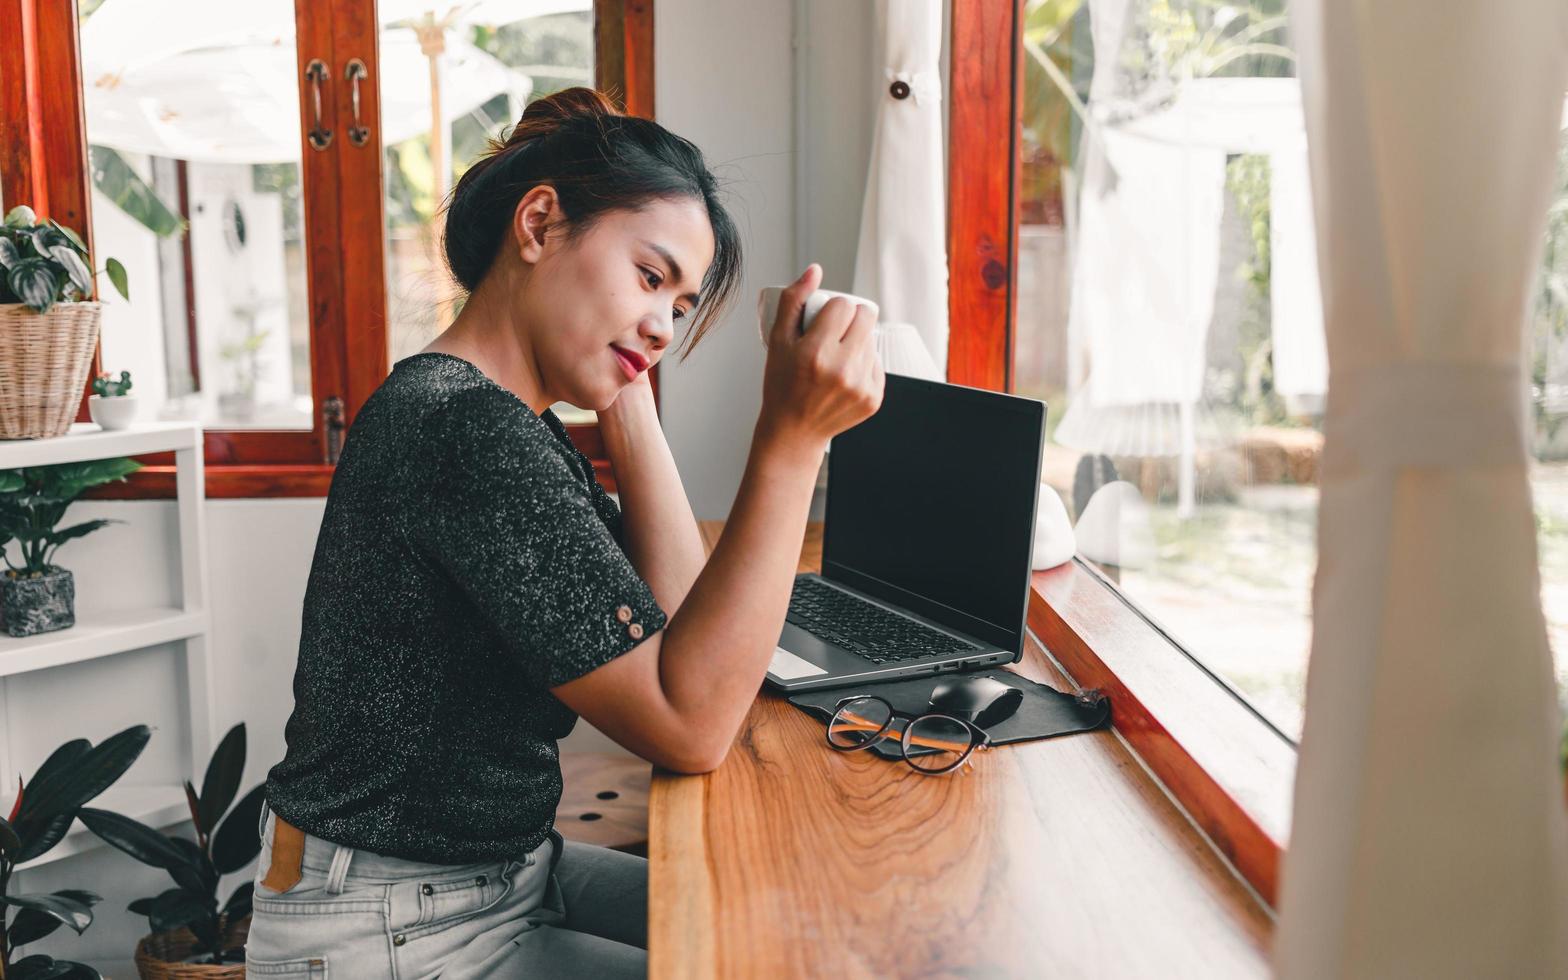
[(768, 307)]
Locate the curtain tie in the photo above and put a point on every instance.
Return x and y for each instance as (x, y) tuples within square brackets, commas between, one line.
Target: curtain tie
[(923, 85), (1425, 414)]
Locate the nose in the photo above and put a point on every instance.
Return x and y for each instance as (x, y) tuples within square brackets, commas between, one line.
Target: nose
[(658, 331)]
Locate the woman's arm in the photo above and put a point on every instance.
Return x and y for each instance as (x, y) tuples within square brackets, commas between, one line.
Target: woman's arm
[(679, 696), (661, 533)]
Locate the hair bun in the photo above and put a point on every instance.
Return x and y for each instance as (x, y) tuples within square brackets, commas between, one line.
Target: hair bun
[(546, 115)]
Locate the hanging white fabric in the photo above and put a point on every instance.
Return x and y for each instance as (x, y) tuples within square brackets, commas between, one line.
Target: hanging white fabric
[(1429, 835), (1300, 355), (901, 259)]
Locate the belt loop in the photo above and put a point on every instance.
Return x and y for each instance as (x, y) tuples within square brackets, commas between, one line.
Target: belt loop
[(339, 870)]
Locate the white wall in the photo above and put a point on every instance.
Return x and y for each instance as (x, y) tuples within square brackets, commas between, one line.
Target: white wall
[(726, 76), (793, 185)]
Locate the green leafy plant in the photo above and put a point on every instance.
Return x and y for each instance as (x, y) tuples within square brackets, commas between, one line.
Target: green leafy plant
[(105, 385), (46, 263), (244, 361), (74, 774), (33, 501), (223, 845)]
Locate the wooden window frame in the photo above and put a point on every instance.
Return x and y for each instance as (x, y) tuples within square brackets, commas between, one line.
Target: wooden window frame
[(1223, 763), (43, 162)]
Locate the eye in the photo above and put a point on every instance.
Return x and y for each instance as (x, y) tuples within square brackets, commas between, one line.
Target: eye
[(651, 277)]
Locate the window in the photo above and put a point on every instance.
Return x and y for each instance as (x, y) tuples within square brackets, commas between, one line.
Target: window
[(270, 178), (489, 72), (1167, 311), (1548, 346), (1147, 266)]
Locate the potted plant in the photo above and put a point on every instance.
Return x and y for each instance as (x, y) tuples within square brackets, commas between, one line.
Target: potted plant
[(48, 324), (243, 358), (38, 596), (110, 405), (191, 935), (45, 807)]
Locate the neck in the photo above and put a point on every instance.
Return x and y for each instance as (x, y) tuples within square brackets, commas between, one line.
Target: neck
[(487, 334)]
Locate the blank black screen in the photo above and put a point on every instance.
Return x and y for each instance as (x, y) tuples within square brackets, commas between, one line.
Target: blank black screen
[(931, 505)]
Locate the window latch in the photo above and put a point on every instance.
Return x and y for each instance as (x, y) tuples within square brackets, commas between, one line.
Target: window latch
[(332, 421)]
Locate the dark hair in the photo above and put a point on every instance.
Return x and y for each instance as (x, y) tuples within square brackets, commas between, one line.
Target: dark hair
[(598, 160)]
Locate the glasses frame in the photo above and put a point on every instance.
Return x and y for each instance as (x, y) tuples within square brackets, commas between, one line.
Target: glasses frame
[(978, 737)]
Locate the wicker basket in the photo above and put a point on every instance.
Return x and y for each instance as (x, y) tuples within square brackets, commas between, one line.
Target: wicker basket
[(158, 955), (44, 360)]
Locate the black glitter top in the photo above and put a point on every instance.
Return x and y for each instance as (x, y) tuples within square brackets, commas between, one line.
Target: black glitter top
[(467, 562)]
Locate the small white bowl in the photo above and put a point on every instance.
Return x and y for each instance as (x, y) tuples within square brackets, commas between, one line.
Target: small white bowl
[(117, 412)]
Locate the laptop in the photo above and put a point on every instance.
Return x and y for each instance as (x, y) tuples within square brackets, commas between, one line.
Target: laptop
[(927, 541)]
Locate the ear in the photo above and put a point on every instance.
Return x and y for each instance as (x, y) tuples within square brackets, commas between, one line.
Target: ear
[(538, 210)]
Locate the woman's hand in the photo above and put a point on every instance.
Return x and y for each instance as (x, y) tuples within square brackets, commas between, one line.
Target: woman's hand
[(635, 398), (819, 383)]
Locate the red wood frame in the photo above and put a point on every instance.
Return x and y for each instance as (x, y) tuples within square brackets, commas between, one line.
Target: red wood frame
[(43, 162), (1229, 769), (982, 239)]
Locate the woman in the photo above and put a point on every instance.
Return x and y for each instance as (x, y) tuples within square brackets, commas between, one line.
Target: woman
[(474, 590)]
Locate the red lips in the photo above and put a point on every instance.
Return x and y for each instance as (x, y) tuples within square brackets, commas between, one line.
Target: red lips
[(637, 360)]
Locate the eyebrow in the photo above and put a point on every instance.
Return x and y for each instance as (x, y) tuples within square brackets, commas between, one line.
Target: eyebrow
[(675, 268)]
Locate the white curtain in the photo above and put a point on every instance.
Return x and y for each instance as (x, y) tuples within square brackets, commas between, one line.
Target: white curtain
[(901, 261), (1429, 833)]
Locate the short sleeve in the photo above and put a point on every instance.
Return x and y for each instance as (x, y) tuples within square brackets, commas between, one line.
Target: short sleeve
[(603, 503), (523, 539)]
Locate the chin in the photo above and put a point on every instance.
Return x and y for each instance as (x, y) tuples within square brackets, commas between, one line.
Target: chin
[(594, 401)]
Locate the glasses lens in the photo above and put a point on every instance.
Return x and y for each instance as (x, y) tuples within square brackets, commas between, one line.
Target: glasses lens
[(858, 722), (935, 743)]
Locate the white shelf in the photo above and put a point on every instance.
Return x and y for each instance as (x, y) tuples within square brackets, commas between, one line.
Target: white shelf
[(86, 440), (101, 635), (159, 805), (185, 620)]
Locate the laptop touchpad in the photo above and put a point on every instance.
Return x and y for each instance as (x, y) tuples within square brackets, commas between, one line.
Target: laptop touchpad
[(787, 666)]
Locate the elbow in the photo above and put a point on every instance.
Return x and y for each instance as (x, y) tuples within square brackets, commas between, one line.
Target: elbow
[(695, 762)]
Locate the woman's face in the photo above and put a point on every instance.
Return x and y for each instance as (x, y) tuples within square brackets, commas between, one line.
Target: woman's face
[(601, 310)]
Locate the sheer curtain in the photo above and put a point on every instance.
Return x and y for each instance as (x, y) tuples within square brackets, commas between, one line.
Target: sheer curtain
[(1429, 834), (901, 259)]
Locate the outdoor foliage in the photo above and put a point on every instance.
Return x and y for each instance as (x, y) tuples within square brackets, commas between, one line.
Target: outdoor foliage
[(33, 501), (1549, 320), (116, 180), (45, 264), (223, 845), (74, 774), (1247, 383)]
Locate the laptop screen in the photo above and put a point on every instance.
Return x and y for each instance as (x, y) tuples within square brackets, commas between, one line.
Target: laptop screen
[(931, 505)]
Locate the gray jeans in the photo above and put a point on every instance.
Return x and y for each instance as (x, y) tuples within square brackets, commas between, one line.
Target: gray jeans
[(566, 910)]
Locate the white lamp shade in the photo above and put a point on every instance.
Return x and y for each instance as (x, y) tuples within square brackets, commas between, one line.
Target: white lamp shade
[(1114, 528), (902, 351), (1054, 542)]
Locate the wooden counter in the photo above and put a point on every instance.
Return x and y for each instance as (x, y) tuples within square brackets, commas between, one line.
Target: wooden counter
[(1052, 858)]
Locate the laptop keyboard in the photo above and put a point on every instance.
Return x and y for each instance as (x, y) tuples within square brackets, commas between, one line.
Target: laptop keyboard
[(880, 636)]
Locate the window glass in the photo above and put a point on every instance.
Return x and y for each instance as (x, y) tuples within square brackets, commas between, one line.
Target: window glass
[(1169, 314), (1548, 340), (193, 133), (487, 69)]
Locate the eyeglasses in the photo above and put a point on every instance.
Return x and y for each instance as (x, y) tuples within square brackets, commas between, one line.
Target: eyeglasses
[(932, 743)]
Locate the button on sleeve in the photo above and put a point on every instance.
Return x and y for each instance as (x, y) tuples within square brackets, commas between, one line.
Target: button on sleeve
[(517, 532)]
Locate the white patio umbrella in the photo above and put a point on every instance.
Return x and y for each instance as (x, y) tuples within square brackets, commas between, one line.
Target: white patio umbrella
[(239, 103), (218, 82)]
